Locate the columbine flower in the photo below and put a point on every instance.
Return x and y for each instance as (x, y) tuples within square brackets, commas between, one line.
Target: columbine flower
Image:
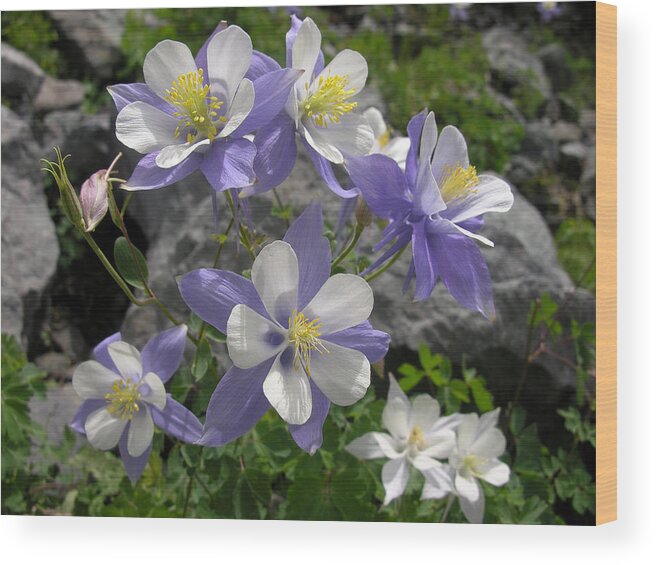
[(320, 109), (124, 397), (299, 338), (459, 11), (193, 113), (418, 437), (394, 147), (93, 199), (437, 205), (475, 457), (549, 10)]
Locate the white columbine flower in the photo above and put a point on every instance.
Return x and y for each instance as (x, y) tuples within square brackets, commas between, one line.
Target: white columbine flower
[(322, 105), (128, 396), (418, 437), (393, 147), (479, 443)]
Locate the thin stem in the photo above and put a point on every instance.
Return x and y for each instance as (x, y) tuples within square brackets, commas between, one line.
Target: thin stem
[(527, 354), (357, 232), (386, 266), (448, 507), (280, 204), (187, 497)]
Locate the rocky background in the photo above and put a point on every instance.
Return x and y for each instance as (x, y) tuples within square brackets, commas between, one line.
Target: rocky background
[(522, 90)]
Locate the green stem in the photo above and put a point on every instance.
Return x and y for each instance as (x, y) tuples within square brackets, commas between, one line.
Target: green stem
[(357, 232), (125, 203), (187, 497), (448, 507), (386, 266), (280, 204)]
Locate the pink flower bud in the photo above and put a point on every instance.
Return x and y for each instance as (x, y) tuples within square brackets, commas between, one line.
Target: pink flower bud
[(93, 198)]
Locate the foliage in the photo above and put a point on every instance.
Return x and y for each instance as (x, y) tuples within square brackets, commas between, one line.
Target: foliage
[(33, 33), (577, 248)]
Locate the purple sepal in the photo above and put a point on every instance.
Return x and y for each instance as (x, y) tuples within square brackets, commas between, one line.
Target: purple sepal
[(101, 354), (212, 294), (163, 353), (148, 176), (415, 127), (309, 436), (124, 94), (80, 418), (201, 56), (134, 466), (325, 169), (177, 421), (229, 164), (238, 402), (424, 261), (345, 211), (261, 64), (372, 343), (312, 250)]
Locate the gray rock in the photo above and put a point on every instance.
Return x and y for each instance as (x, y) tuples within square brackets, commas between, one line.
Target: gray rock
[(512, 62), (95, 35), (57, 94), (21, 76), (572, 156), (54, 412), (554, 57), (564, 132), (29, 243)]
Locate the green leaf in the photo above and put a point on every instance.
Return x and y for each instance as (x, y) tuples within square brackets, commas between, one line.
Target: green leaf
[(202, 360), (408, 383), (459, 390), (130, 263), (427, 360), (482, 396)]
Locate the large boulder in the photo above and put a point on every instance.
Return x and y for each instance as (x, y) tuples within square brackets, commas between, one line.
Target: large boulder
[(21, 76), (29, 243)]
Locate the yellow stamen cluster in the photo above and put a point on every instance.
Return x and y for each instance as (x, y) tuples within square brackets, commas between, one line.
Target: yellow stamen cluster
[(458, 182), (384, 138), (196, 110), (329, 101), (416, 438), (124, 399), (471, 463), (304, 336)]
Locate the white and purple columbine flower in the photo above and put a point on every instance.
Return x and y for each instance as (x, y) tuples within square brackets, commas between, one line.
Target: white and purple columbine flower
[(479, 444), (320, 109), (549, 10), (459, 11), (436, 204), (193, 113), (298, 338), (124, 397), (418, 438), (393, 147)]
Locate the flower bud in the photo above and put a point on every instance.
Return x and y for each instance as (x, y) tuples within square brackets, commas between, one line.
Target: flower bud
[(362, 213), (93, 198)]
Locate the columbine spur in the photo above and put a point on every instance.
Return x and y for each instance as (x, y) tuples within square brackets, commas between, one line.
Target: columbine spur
[(193, 113), (437, 205), (298, 338), (418, 438), (124, 397)]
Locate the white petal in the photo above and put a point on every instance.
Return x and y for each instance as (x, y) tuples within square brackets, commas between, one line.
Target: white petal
[(228, 58), (164, 63), (489, 444), (342, 374), (351, 135), (140, 433), (423, 463), (241, 106), (251, 338), (450, 422), (428, 140), (156, 393), (374, 445), (305, 52), (275, 276), (91, 380), (395, 478), (424, 412), (103, 430), (350, 64), (144, 128), (497, 473), (433, 491), (288, 390), (376, 121), (450, 152), (396, 418), (440, 445), (397, 149), (475, 236), (127, 359), (173, 155), (342, 302), (438, 482), (473, 510), (467, 430), (467, 487), (492, 195), (489, 420)]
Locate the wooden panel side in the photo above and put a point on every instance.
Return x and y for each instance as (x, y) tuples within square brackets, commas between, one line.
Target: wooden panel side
[(606, 263)]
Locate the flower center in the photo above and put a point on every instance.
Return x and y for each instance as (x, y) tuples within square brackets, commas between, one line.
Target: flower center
[(195, 110), (329, 101), (384, 138), (304, 336), (470, 463), (416, 438), (458, 182), (124, 399)]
